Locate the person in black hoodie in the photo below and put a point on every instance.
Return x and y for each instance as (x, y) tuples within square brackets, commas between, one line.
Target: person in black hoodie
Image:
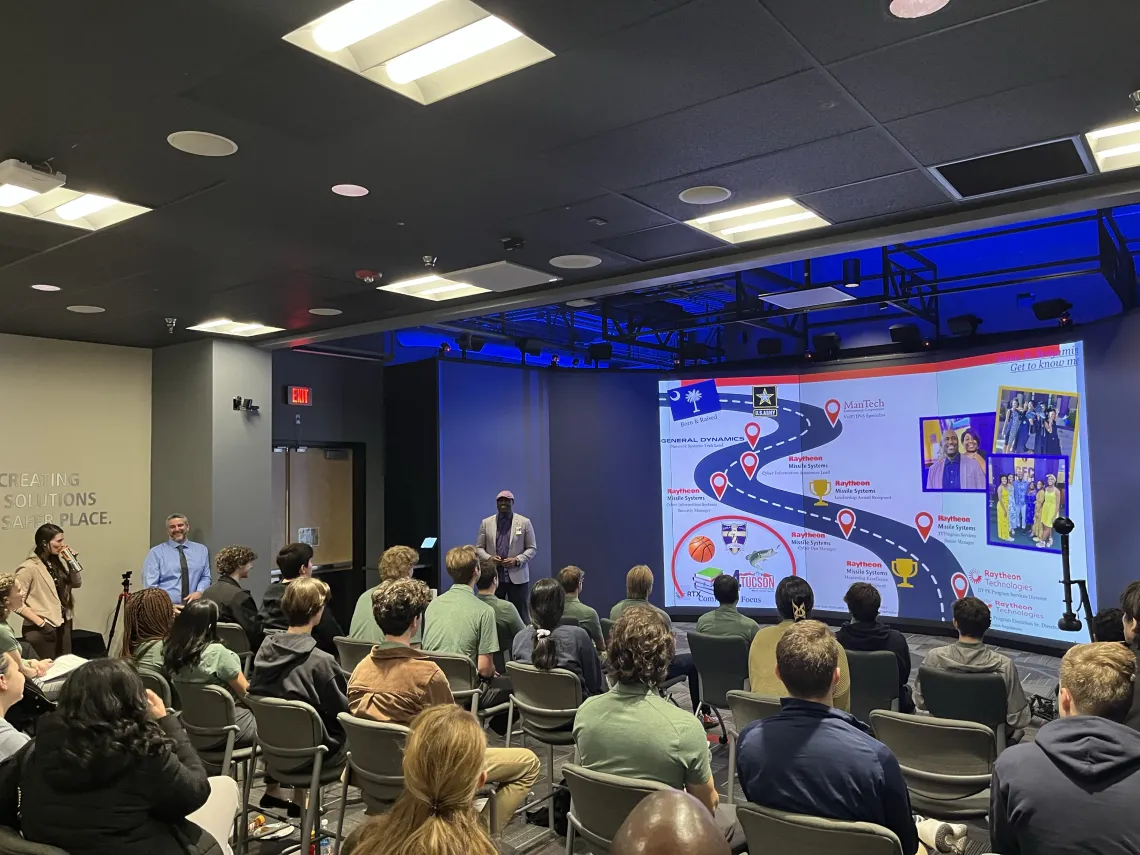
[(290, 666), (1074, 788), (110, 771), (295, 561), (864, 632), (235, 603)]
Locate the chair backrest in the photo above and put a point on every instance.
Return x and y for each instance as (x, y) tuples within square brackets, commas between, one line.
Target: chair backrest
[(940, 758), (963, 696), (567, 620), (157, 683), (351, 651), (376, 756), (234, 637), (874, 681), (208, 714), (607, 625), (459, 670), (777, 833), (290, 733), (600, 802), (506, 643), (747, 707), (536, 691), (722, 663), (12, 843)]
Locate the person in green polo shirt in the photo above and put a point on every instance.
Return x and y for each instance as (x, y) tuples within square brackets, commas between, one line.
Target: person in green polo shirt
[(725, 619), (508, 623), (396, 563), (633, 732), (572, 579)]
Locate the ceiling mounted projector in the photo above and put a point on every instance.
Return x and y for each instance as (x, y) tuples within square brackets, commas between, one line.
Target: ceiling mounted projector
[(20, 182)]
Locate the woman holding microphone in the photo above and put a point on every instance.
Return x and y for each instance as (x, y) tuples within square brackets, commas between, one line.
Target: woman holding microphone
[(49, 576)]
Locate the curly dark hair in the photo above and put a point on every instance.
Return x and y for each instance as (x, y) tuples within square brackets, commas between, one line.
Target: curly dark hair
[(231, 558), (641, 647), (104, 706), (397, 603)]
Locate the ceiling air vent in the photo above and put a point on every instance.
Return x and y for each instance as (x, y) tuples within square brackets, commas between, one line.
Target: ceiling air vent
[(1019, 169)]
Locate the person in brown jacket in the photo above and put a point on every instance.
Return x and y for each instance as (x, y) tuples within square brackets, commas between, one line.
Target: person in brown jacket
[(396, 682), (49, 576)]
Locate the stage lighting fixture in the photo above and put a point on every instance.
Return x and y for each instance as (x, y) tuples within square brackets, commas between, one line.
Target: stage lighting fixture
[(601, 351), (444, 348), (768, 346), (907, 335), (472, 342), (554, 360), (852, 275), (1051, 310), (576, 362), (966, 325), (529, 346), (826, 345)]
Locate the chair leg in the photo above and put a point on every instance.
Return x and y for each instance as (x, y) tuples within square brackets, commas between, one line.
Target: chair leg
[(248, 770), (343, 805), (311, 815), (550, 810), (510, 719), (723, 729), (731, 767), (570, 838)]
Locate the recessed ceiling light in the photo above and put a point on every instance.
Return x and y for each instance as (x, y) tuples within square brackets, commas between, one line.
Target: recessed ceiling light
[(708, 194), (88, 203), (426, 50), (11, 195), (1115, 147), (575, 262), (762, 220), (40, 286), (916, 8), (353, 190), (202, 143), (224, 326), (324, 313), (432, 287), (71, 208), (86, 310)]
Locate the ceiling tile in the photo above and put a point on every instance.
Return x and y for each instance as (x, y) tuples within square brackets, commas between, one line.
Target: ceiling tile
[(878, 197), (571, 223), (662, 242)]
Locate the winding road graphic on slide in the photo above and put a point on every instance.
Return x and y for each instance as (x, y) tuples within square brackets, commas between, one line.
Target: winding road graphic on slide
[(801, 428)]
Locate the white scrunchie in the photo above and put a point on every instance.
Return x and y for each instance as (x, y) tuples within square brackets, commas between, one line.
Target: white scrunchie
[(541, 633)]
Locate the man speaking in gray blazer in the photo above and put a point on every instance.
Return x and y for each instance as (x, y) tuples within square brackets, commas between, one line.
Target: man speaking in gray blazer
[(507, 539)]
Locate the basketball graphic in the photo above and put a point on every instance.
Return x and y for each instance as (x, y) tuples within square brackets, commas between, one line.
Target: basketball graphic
[(701, 549)]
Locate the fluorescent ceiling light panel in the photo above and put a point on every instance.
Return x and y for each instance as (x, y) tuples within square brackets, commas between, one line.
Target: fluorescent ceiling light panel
[(11, 195), (72, 208), (242, 329), (432, 287), (426, 50), (760, 220), (807, 299), (1115, 147), (88, 203)]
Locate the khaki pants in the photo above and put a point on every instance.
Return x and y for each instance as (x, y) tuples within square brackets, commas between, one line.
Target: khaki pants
[(514, 772)]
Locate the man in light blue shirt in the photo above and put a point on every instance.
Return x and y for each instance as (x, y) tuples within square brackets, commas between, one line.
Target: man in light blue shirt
[(179, 566)]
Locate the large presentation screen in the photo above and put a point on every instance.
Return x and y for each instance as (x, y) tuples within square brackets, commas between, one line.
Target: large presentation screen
[(931, 481)]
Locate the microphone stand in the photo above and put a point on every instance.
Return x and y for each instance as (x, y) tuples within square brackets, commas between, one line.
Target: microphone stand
[(1069, 621)]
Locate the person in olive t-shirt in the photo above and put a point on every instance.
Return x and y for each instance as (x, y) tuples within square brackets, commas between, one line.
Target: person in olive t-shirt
[(397, 562), (725, 619), (572, 579), (508, 622)]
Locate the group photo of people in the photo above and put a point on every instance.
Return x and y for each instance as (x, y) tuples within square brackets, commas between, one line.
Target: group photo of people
[(1026, 494), (1036, 421), (954, 452)]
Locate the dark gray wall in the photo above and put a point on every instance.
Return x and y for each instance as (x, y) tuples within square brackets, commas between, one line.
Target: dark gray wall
[(347, 407)]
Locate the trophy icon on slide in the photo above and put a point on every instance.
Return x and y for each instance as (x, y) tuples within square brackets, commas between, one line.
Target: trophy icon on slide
[(820, 487), (904, 568)]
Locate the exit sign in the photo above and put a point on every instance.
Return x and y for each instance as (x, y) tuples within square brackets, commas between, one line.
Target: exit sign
[(299, 396)]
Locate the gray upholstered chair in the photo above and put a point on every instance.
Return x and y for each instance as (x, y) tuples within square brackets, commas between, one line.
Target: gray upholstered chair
[(233, 636), (962, 696), (722, 664), (947, 764), (607, 626), (461, 675), (599, 804), (874, 682), (350, 652), (158, 684), (746, 708), (774, 832)]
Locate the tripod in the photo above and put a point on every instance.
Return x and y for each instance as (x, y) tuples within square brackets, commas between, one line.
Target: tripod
[(123, 595), (1069, 621)]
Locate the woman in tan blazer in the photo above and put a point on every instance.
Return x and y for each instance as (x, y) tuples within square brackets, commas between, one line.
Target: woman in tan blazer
[(49, 578)]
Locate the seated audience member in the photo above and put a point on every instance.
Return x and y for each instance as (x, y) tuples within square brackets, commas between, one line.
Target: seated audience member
[(1108, 625), (546, 644), (11, 692), (632, 731), (235, 603), (1130, 606), (397, 682), (725, 619), (396, 563), (572, 579), (1072, 790), (289, 665), (969, 655), (865, 633), (508, 623), (110, 771), (147, 620), (638, 587), (295, 561), (814, 759), (11, 601), (669, 822), (794, 601), (193, 654), (443, 768)]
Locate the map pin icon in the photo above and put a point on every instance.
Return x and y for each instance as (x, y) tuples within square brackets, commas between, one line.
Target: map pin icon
[(960, 584), (752, 433), (846, 520), (719, 483), (832, 408), (924, 522), (749, 462)]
